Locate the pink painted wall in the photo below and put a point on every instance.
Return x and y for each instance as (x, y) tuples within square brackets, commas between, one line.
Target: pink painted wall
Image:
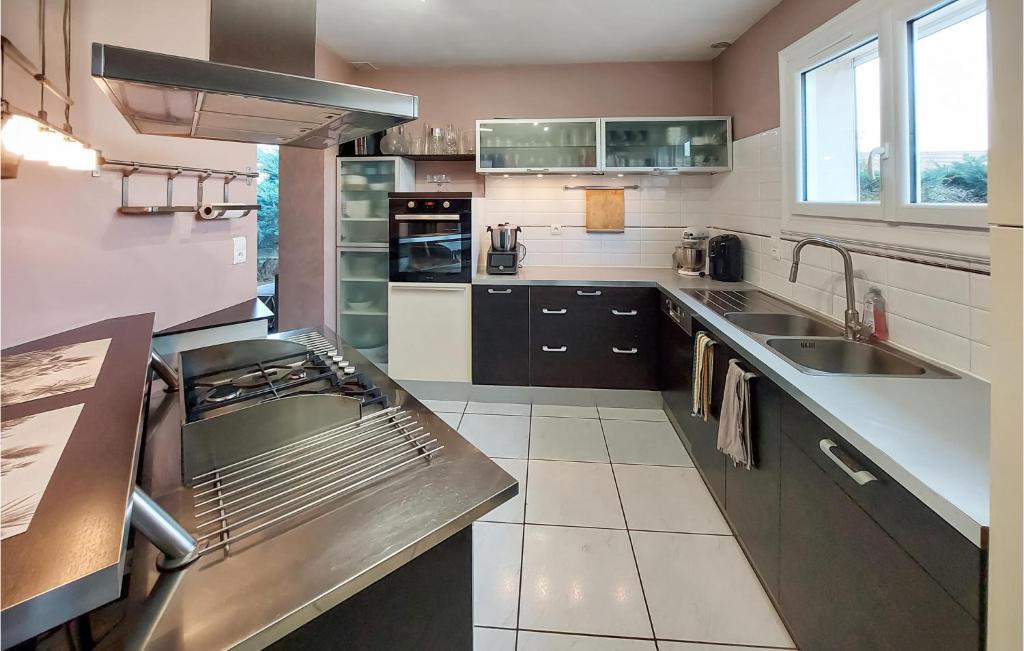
[(746, 76), (68, 257), (462, 95), (306, 246)]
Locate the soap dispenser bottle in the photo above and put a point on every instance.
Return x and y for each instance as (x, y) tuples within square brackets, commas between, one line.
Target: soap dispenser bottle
[(874, 314)]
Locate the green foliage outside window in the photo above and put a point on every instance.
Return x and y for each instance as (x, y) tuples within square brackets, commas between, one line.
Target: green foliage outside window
[(266, 220), (962, 181)]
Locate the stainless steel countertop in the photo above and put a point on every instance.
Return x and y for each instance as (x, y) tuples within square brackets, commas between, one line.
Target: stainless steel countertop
[(270, 584), (930, 435)]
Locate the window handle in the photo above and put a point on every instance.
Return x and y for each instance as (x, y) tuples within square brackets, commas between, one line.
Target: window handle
[(547, 311), (882, 153)]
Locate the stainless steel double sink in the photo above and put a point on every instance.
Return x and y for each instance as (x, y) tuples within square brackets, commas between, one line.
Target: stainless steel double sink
[(812, 344)]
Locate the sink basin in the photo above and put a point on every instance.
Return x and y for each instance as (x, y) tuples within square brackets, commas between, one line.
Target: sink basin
[(790, 325), (843, 357)]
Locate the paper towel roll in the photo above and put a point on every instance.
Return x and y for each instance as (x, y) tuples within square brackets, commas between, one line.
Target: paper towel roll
[(223, 210)]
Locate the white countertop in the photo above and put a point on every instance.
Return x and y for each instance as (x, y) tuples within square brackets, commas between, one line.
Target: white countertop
[(930, 435)]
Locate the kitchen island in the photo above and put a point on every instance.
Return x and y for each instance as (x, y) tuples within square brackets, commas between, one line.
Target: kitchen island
[(388, 566)]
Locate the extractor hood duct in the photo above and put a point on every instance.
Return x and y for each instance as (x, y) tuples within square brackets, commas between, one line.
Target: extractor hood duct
[(166, 95)]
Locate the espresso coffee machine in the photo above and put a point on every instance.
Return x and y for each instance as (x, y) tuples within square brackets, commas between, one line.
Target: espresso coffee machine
[(506, 252)]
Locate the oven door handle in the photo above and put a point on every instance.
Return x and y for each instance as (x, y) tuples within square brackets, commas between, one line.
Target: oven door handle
[(420, 218)]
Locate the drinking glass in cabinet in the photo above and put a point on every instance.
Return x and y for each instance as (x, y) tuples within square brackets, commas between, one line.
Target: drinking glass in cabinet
[(538, 145), (667, 144)]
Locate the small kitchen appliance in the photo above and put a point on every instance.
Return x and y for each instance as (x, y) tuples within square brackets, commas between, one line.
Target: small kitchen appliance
[(691, 255), (725, 258), (506, 252)]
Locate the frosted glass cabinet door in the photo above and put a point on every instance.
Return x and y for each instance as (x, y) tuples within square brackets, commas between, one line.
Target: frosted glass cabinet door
[(363, 187), (538, 146), (363, 301), (667, 144)]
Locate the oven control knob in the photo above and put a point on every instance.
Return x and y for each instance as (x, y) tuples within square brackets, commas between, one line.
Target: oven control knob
[(411, 204), (446, 204)]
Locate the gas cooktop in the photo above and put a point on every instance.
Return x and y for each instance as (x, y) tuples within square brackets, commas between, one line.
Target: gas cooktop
[(222, 379)]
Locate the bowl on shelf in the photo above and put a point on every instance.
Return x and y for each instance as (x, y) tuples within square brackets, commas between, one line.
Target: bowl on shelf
[(362, 306), (353, 182), (357, 209)]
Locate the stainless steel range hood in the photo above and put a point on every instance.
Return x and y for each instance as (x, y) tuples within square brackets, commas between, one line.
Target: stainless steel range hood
[(166, 95)]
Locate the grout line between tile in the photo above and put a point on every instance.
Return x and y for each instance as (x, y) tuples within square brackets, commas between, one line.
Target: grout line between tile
[(636, 564), (522, 544)]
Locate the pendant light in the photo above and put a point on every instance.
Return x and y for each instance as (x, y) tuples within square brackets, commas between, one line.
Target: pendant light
[(33, 137)]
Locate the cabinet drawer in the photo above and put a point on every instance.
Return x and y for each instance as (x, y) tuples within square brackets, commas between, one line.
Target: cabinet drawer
[(954, 561), (845, 584), (561, 364), (501, 335), (627, 365)]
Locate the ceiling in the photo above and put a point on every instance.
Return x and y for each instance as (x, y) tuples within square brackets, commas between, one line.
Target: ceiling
[(393, 33)]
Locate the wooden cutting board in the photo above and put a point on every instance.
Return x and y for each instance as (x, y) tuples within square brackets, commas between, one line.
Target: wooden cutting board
[(606, 210)]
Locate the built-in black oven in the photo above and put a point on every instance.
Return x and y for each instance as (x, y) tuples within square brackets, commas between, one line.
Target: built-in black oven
[(429, 237)]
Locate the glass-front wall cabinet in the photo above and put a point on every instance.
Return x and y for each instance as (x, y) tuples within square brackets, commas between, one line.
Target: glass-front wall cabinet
[(701, 144), (538, 146)]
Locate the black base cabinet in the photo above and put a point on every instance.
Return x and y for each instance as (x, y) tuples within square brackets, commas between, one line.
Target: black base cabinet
[(501, 335), (845, 584), (752, 496), (593, 337), (675, 377), (850, 566)]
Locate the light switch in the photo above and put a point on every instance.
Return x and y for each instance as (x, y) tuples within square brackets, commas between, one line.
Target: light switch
[(775, 247), (239, 256), (556, 229)]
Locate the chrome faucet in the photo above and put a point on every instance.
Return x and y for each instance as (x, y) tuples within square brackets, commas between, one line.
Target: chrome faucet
[(856, 330)]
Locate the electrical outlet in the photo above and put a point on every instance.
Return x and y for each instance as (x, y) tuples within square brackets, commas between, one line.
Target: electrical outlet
[(556, 229), (239, 255), (775, 247)]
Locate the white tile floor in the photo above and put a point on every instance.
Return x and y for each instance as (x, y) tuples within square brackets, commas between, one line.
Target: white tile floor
[(614, 543)]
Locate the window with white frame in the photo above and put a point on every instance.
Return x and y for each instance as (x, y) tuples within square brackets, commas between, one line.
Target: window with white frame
[(885, 117)]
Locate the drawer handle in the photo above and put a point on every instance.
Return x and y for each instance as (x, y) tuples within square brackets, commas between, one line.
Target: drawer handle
[(624, 312), (547, 311), (580, 292), (560, 349), (860, 476), (500, 291), (624, 351)]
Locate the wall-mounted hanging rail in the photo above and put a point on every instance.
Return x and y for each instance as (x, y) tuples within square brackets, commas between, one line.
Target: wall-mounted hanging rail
[(202, 210), (601, 187)]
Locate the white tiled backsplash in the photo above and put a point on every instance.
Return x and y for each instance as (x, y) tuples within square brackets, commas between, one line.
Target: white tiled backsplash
[(655, 215), (939, 313), (935, 312)]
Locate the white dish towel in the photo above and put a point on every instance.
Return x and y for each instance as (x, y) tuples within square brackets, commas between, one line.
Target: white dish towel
[(734, 421)]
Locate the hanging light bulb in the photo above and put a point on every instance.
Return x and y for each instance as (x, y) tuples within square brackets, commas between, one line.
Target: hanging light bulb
[(19, 132), (44, 145), (85, 160), (65, 153)]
